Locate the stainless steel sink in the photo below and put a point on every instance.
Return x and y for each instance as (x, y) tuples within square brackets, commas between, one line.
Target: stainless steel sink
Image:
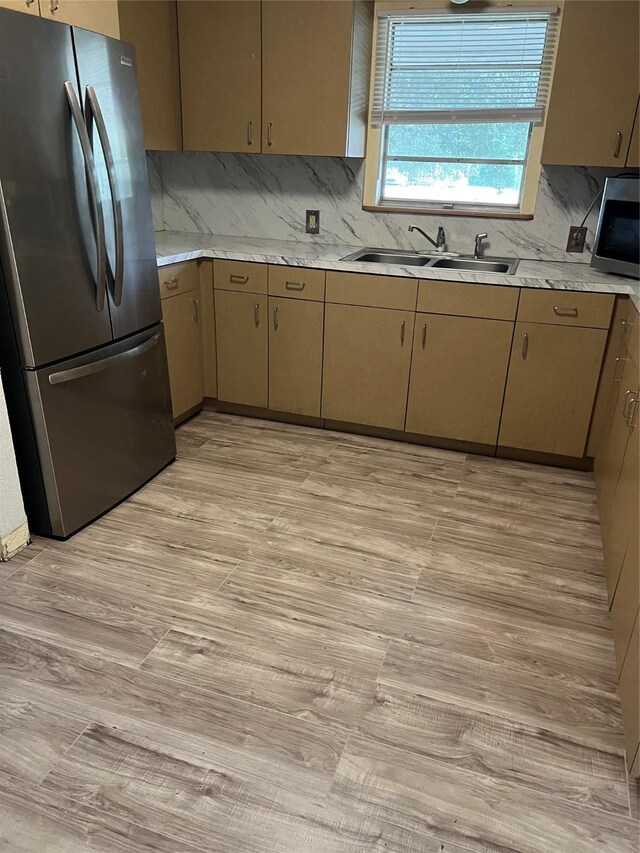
[(507, 266), (504, 266), (388, 256)]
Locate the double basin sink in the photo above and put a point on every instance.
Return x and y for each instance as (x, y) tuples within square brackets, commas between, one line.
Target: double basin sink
[(505, 266)]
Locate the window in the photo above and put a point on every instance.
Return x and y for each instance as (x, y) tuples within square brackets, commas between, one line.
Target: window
[(457, 108)]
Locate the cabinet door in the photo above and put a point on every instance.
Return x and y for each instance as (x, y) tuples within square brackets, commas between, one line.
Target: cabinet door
[(220, 74), (152, 27), (31, 7), (99, 16), (241, 347), (553, 373), (598, 53), (295, 355), (306, 74), (367, 355), (181, 318), (627, 593), (629, 689), (458, 373), (633, 155)]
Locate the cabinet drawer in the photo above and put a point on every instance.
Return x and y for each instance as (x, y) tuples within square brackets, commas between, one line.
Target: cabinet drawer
[(566, 308), (468, 300), (240, 275), (297, 282), (178, 278), (372, 291)]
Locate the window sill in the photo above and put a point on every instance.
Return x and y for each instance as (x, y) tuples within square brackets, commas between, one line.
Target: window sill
[(484, 214)]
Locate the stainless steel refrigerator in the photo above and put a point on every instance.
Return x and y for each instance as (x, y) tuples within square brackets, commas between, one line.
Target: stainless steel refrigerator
[(82, 352)]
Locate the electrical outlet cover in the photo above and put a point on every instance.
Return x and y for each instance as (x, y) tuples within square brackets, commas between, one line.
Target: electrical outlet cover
[(313, 221), (577, 236)]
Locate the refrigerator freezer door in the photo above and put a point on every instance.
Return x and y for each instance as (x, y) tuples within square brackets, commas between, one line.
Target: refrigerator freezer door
[(47, 241), (107, 72), (103, 427)]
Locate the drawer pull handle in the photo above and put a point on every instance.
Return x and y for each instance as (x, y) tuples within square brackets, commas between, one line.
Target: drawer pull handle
[(618, 145), (628, 400), (250, 133), (525, 345), (424, 336), (565, 312), (618, 362), (256, 314), (275, 317), (402, 325), (238, 279), (172, 283), (196, 309), (294, 285)]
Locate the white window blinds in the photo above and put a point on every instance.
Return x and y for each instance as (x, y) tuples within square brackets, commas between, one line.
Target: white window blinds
[(463, 66)]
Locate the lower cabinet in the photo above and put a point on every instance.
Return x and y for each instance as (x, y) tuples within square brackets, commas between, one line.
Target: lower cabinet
[(295, 355), (458, 374), (242, 347), (551, 386), (367, 357), (181, 318), (629, 689)]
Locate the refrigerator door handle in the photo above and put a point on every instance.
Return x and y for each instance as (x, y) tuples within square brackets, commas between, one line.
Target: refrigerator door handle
[(93, 112), (96, 206), (103, 363)]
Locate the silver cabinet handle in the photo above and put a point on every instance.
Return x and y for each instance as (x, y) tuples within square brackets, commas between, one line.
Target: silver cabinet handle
[(94, 195), (424, 336), (633, 408), (256, 314), (402, 325), (54, 5), (275, 317), (618, 145), (619, 361), (565, 312), (171, 283), (196, 309), (93, 113), (30, 2), (250, 133), (103, 363), (525, 345), (238, 279), (626, 403), (269, 134), (294, 285)]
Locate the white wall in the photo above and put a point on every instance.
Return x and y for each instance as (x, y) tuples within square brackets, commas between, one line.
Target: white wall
[(13, 531)]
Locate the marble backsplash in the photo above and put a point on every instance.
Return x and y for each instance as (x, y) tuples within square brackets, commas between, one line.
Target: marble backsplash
[(266, 196)]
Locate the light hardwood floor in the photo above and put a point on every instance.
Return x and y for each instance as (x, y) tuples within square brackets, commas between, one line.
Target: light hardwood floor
[(296, 641)]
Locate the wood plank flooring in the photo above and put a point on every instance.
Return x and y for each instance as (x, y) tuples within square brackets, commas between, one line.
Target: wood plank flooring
[(296, 640)]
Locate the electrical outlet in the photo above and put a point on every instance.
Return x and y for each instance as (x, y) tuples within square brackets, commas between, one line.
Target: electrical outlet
[(577, 236), (313, 221)]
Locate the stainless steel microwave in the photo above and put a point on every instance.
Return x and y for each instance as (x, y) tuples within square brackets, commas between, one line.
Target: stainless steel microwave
[(617, 244)]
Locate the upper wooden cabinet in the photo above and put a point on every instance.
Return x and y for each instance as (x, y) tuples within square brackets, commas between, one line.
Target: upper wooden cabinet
[(275, 77), (595, 85), (315, 65), (100, 16), (220, 74), (152, 27), (31, 7)]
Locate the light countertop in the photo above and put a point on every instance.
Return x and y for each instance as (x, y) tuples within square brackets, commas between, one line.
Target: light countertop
[(173, 247)]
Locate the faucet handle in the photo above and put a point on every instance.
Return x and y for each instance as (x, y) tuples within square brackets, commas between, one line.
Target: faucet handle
[(477, 251)]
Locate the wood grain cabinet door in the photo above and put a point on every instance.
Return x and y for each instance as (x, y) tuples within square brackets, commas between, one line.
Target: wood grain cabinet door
[(306, 76), (220, 76), (241, 347), (295, 355), (367, 355), (458, 374), (553, 373), (99, 16), (152, 27), (31, 7), (598, 53), (181, 318)]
